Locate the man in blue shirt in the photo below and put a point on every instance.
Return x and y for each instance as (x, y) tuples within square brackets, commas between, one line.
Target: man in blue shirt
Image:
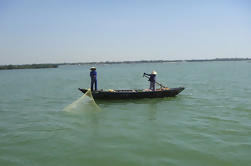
[(152, 79), (93, 75)]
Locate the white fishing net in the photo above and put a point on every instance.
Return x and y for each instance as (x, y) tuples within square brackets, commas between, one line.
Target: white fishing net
[(84, 103)]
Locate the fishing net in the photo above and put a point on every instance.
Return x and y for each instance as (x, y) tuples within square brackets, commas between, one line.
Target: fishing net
[(84, 103)]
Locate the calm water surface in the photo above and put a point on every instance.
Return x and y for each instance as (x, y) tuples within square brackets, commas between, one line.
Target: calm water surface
[(207, 124)]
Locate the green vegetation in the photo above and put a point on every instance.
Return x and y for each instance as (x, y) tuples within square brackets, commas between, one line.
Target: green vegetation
[(218, 59), (32, 66), (39, 66), (157, 61)]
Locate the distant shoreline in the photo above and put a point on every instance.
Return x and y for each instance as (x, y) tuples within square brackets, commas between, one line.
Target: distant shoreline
[(157, 61), (55, 65), (28, 66)]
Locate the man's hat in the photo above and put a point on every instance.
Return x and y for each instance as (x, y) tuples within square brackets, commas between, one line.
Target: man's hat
[(154, 72), (93, 68)]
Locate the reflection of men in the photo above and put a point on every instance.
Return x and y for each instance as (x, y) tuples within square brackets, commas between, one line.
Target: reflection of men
[(152, 79), (93, 75)]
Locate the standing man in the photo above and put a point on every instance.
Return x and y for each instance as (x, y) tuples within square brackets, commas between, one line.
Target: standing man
[(93, 75), (152, 79)]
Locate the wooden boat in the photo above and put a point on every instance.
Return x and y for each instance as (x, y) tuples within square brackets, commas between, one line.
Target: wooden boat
[(134, 94)]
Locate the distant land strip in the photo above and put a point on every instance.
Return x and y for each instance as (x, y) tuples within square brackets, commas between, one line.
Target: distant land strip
[(28, 66), (157, 61), (41, 66)]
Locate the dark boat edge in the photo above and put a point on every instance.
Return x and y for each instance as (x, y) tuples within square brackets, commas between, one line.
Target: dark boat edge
[(133, 94)]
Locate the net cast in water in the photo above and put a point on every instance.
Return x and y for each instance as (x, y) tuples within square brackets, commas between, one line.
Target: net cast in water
[(84, 103)]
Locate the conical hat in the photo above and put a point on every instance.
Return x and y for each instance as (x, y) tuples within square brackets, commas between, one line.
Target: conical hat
[(154, 72)]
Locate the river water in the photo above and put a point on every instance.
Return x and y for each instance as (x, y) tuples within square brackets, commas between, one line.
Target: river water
[(209, 123)]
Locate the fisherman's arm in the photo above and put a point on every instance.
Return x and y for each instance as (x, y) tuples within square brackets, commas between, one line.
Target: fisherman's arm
[(147, 74)]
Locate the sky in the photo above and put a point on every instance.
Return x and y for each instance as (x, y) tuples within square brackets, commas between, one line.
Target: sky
[(58, 31)]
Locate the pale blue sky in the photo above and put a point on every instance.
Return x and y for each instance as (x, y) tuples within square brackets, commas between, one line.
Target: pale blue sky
[(55, 31)]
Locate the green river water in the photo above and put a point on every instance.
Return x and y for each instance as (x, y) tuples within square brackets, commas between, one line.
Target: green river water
[(208, 124)]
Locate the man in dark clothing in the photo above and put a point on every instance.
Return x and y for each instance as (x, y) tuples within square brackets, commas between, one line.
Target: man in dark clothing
[(93, 75), (152, 79)]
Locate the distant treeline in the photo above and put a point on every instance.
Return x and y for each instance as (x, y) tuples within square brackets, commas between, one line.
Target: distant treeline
[(32, 66), (39, 66), (218, 59), (120, 62), (157, 61)]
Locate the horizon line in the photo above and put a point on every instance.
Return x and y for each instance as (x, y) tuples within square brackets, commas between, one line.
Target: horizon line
[(136, 61)]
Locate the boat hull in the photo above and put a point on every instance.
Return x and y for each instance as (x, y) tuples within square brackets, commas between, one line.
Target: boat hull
[(134, 94)]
